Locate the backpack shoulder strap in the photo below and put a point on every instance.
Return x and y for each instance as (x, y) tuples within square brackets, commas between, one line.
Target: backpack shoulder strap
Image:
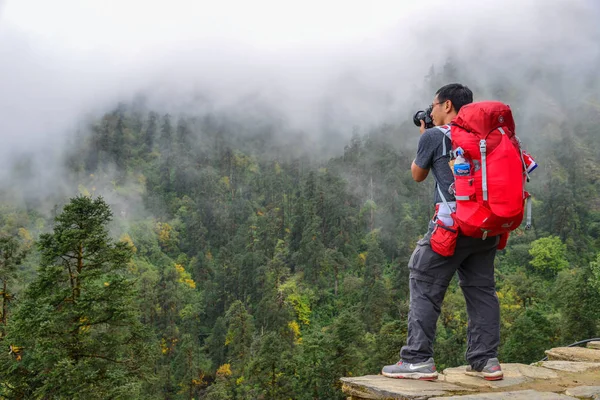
[(442, 196), (445, 129)]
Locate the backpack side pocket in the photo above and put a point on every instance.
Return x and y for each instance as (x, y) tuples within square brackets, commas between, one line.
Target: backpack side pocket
[(443, 239)]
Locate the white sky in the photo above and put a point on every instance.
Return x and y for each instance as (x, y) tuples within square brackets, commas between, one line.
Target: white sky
[(65, 54), (125, 25)]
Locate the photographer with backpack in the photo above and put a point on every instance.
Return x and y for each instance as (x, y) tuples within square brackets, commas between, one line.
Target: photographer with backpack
[(479, 200)]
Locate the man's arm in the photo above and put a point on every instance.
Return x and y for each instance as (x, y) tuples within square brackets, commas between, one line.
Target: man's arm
[(419, 174)]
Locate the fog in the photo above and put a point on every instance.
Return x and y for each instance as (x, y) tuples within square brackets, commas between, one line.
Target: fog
[(320, 67)]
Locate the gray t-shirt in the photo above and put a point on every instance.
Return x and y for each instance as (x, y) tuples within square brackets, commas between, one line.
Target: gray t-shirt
[(430, 155)]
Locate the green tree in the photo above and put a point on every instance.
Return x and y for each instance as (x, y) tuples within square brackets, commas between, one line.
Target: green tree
[(190, 367), (184, 137), (375, 296), (272, 367), (531, 334), (215, 343), (78, 325), (578, 303), (12, 254), (240, 328), (150, 133), (272, 312), (595, 269), (120, 142), (549, 255), (166, 133)]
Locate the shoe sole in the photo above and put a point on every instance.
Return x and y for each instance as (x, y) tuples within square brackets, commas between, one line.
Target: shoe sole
[(493, 376), (414, 375)]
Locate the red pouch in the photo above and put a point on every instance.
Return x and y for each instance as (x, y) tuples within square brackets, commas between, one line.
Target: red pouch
[(503, 241), (443, 238)]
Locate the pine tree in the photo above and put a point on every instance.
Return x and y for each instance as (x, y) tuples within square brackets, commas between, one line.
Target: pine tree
[(11, 256), (530, 335), (272, 368), (240, 328), (166, 159), (120, 148), (77, 325), (166, 134), (150, 132), (184, 137), (374, 296)]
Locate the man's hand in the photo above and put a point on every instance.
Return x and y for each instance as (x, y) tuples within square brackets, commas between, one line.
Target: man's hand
[(422, 128)]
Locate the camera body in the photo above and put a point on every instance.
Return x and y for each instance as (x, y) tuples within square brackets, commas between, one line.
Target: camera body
[(424, 115)]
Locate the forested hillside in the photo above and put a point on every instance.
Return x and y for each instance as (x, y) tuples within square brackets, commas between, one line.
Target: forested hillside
[(238, 263)]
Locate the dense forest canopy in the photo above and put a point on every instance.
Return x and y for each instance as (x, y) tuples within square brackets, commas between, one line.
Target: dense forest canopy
[(199, 256), (224, 233)]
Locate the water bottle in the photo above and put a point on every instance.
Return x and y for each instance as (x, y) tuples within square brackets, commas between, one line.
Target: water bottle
[(461, 165)]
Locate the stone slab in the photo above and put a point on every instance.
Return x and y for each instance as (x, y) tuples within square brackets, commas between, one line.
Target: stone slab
[(381, 387), (569, 366), (584, 392), (514, 374), (573, 354), (593, 345), (516, 395)]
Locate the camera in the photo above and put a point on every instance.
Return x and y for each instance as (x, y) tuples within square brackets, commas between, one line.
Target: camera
[(424, 116)]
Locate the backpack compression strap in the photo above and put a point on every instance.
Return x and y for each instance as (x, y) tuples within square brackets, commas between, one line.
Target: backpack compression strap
[(483, 151)]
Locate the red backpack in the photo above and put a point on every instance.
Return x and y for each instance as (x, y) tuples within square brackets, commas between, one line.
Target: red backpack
[(491, 200)]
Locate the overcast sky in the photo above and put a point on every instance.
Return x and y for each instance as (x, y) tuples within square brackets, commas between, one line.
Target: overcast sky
[(128, 28), (366, 60), (66, 57)]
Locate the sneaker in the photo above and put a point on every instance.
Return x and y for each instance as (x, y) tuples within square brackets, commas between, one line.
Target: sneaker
[(403, 370), (491, 372)]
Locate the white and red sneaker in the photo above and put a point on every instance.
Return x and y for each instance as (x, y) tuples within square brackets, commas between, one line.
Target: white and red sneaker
[(491, 372), (404, 370)]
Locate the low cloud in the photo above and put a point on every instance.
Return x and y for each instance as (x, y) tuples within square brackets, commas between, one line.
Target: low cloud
[(71, 60)]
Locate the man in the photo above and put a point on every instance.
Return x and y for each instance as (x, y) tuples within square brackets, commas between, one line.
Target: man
[(430, 273)]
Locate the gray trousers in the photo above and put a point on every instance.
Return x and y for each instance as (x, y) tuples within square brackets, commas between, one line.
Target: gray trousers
[(430, 275)]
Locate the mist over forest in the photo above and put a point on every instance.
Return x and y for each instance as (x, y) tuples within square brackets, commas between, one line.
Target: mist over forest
[(243, 174)]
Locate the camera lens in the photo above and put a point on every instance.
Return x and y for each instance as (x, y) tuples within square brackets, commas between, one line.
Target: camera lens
[(419, 116)]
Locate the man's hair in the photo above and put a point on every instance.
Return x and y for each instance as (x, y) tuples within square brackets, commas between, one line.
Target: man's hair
[(458, 94)]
